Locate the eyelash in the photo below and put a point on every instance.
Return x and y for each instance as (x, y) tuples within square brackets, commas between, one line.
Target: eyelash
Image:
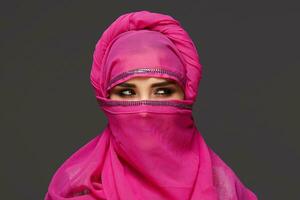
[(167, 92)]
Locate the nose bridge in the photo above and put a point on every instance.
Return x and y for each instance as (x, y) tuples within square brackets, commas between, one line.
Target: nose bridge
[(144, 94)]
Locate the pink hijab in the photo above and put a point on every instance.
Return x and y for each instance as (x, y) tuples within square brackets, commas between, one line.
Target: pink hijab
[(150, 149)]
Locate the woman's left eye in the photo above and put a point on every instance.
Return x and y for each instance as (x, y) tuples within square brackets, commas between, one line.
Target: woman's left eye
[(164, 91)]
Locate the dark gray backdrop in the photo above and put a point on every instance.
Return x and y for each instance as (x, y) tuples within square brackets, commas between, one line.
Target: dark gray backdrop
[(247, 108)]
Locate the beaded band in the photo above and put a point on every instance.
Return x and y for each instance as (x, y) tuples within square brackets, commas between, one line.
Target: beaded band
[(148, 70), (145, 102)]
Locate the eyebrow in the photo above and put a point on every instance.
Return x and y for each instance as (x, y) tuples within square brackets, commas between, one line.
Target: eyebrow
[(164, 83)]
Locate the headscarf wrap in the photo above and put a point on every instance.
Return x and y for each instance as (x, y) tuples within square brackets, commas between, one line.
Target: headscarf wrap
[(150, 149)]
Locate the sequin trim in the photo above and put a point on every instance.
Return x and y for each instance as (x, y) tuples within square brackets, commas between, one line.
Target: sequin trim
[(148, 70), (145, 102)]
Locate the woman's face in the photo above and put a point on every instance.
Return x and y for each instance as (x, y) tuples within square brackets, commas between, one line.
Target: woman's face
[(145, 88)]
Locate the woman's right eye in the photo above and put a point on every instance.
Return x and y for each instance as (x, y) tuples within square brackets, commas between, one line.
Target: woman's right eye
[(126, 93)]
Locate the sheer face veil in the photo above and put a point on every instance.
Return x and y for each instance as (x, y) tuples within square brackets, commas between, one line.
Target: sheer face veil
[(150, 149)]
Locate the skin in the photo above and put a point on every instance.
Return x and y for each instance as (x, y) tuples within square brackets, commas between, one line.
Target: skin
[(146, 88)]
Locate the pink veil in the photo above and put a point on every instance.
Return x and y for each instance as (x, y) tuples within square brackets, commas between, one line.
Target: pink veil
[(150, 149)]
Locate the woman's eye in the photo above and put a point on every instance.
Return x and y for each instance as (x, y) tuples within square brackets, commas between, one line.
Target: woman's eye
[(126, 92), (164, 91)]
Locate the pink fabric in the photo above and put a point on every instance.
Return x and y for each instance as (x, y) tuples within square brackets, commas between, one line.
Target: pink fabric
[(149, 149)]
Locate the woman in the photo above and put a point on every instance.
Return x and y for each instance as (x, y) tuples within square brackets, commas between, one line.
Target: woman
[(145, 75)]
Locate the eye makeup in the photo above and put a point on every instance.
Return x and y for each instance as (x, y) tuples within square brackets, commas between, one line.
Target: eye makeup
[(167, 91), (125, 92), (159, 89), (129, 92)]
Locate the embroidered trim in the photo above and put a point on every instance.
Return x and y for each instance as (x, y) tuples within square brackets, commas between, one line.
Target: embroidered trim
[(148, 70), (145, 102)]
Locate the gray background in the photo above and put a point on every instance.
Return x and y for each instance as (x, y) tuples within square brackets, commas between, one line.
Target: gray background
[(247, 108)]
